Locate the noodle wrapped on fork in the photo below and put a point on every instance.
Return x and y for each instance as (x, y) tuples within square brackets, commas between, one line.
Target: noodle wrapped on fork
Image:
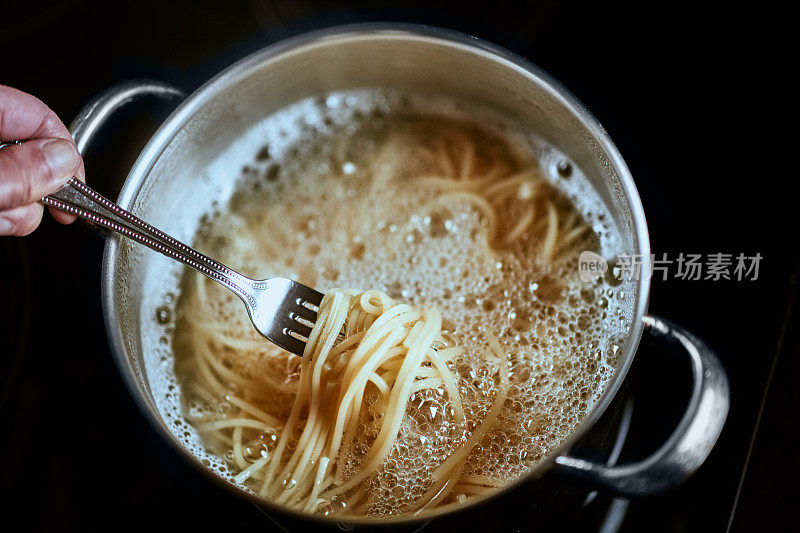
[(386, 351)]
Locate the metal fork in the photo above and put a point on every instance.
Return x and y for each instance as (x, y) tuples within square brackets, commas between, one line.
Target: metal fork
[(282, 310)]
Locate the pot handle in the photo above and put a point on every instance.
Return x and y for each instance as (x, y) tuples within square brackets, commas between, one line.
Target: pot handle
[(95, 113), (690, 443)]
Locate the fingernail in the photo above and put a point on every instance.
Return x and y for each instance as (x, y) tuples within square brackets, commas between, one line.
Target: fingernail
[(61, 157), (5, 226)]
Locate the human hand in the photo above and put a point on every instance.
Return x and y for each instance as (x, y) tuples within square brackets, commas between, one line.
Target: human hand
[(37, 167)]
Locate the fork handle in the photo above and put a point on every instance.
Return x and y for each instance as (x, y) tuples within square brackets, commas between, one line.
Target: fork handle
[(79, 199)]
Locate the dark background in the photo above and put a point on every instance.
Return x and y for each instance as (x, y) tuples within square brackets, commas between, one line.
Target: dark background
[(674, 86)]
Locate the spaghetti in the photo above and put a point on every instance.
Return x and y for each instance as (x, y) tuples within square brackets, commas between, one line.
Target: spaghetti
[(366, 356), (393, 409)]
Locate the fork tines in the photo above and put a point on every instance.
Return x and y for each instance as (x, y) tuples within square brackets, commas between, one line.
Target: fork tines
[(301, 304)]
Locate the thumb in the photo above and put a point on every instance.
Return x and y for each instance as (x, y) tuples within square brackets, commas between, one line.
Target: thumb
[(35, 168)]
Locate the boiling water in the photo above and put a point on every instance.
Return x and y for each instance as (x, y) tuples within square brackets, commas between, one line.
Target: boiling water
[(319, 208)]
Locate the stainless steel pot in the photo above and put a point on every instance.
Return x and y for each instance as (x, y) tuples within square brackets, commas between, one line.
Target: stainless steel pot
[(165, 188)]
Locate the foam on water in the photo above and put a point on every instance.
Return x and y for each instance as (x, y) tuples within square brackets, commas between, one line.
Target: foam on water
[(306, 206)]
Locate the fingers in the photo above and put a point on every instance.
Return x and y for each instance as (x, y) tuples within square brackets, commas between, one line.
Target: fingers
[(23, 116), (33, 169), (61, 216), (28, 172), (20, 220)]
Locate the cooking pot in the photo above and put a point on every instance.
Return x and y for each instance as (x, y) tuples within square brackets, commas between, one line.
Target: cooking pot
[(170, 187)]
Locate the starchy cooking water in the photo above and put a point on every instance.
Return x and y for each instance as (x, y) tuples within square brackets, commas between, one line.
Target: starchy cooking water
[(327, 209)]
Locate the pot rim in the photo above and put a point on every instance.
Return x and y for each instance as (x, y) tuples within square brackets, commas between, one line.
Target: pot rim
[(208, 91)]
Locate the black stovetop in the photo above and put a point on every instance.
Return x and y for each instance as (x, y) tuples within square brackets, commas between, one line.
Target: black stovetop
[(669, 87)]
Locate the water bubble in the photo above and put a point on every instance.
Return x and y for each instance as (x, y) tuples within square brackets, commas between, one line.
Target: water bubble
[(271, 174), (263, 153), (254, 450), (164, 314), (225, 408), (564, 168)]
